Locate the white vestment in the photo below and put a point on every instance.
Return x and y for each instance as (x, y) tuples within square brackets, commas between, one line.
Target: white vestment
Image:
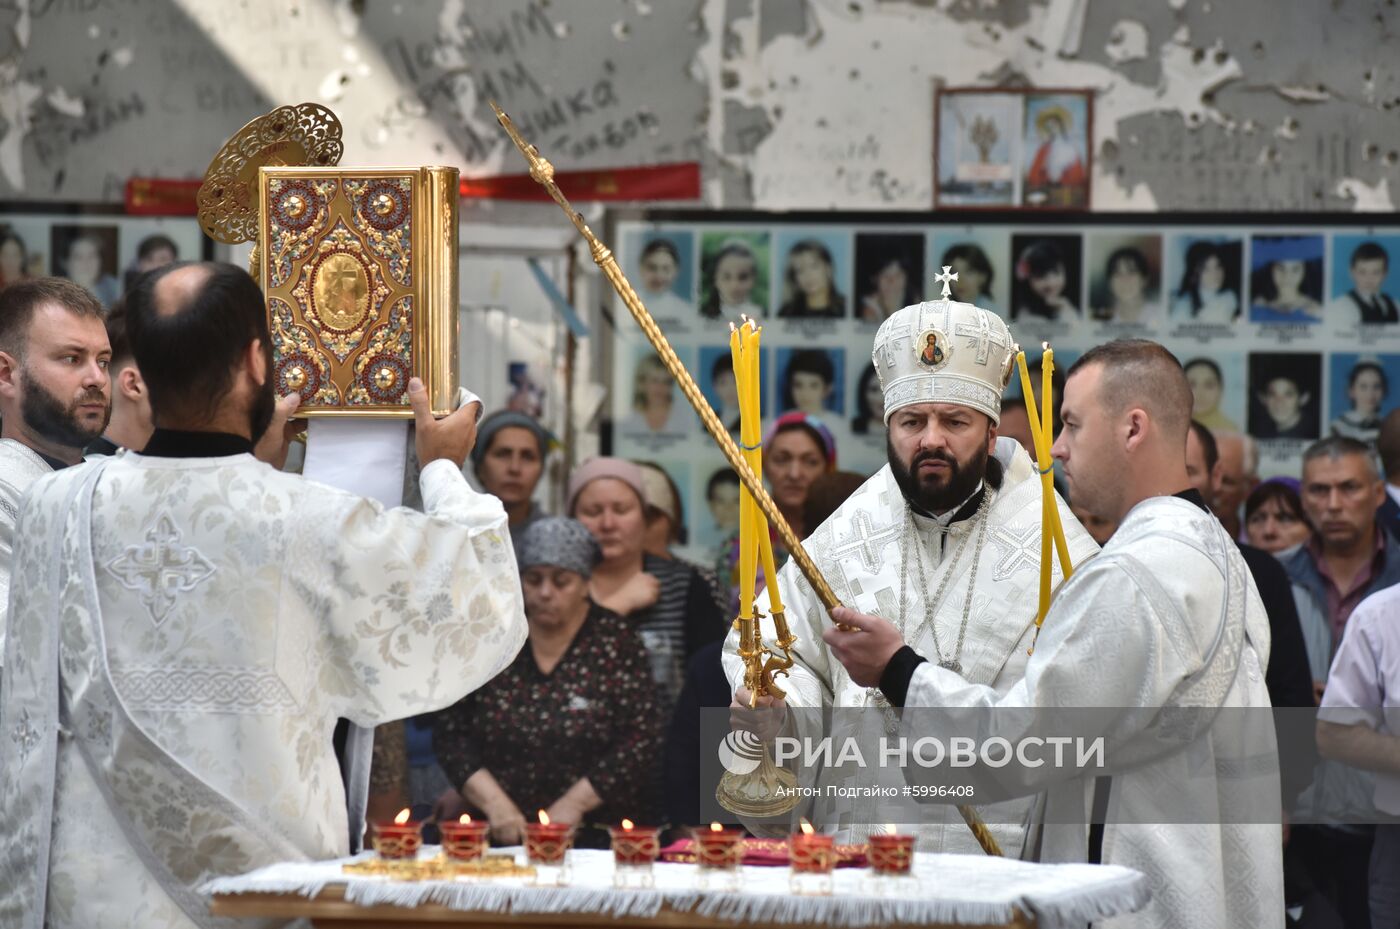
[(20, 466), (214, 617), (1165, 619), (859, 552)]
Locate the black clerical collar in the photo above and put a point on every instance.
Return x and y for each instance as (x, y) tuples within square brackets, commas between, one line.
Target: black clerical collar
[(102, 446), (56, 463), (966, 511), (1192, 495), (177, 443)]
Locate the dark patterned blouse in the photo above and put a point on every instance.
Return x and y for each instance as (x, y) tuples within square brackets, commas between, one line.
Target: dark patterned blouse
[(595, 716)]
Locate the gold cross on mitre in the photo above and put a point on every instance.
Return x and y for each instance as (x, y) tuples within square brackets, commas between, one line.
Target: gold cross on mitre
[(946, 279)]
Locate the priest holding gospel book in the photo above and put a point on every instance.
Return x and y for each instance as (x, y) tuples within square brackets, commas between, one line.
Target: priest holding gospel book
[(192, 623)]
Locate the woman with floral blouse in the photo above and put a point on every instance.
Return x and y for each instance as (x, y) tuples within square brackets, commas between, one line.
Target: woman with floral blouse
[(571, 726)]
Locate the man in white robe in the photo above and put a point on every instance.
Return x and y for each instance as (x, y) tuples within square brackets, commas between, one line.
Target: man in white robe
[(54, 393), (944, 540), (194, 622), (1160, 631)]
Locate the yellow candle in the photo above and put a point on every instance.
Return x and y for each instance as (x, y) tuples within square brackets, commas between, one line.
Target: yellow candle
[(748, 563), (765, 540), (1047, 401)]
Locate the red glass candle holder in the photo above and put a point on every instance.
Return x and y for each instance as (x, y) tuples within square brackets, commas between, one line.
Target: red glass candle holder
[(398, 840), (464, 841), (636, 846), (813, 853), (719, 849), (891, 855), (547, 843)]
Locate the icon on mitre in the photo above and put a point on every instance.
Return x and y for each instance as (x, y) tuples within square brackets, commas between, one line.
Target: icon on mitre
[(931, 351)]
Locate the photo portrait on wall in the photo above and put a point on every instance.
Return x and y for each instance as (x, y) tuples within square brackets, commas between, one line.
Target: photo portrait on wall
[(717, 383), (889, 273), (981, 260), (655, 406), (1125, 277), (1048, 277), (1364, 280), (664, 271), (978, 147), (87, 255), (716, 524), (1285, 281), (1359, 391), (734, 275), (17, 262), (1217, 390), (868, 404), (1206, 273), (1056, 150), (810, 381), (814, 276), (1285, 391)]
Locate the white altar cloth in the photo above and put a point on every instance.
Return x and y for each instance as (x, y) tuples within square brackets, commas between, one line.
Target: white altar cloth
[(943, 889)]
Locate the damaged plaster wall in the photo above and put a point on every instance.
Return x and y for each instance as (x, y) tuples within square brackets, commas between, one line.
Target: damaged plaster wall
[(787, 104)]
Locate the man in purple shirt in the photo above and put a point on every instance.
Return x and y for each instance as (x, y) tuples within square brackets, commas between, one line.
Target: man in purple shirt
[(1359, 725)]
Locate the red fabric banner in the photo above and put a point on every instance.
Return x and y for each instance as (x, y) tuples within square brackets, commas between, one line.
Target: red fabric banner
[(677, 181), (153, 196)]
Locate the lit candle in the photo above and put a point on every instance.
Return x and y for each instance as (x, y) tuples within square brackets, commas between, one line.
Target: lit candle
[(399, 839), (718, 847), (465, 839), (635, 846), (811, 852), (546, 842), (891, 854)]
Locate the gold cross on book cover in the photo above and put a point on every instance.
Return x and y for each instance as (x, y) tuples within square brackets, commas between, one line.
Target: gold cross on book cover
[(358, 265)]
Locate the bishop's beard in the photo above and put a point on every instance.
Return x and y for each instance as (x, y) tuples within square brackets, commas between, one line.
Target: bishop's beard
[(938, 493)]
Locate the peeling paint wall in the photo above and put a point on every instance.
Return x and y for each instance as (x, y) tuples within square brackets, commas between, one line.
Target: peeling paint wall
[(1201, 104)]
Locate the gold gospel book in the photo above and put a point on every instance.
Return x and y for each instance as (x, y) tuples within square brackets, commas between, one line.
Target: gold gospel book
[(359, 267)]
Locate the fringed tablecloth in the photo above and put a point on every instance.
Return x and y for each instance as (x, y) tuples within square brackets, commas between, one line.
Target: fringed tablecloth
[(945, 889)]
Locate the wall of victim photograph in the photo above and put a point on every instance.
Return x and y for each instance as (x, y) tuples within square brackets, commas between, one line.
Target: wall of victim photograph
[(1243, 108)]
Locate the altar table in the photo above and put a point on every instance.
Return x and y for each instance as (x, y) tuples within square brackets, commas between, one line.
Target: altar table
[(945, 891)]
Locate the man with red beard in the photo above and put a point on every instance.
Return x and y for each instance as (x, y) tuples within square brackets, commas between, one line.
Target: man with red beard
[(54, 392)]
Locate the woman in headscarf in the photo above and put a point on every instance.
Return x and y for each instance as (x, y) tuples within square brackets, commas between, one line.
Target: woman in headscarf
[(571, 725)]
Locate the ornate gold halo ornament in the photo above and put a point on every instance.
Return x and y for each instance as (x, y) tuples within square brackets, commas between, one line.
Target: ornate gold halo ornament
[(304, 135)]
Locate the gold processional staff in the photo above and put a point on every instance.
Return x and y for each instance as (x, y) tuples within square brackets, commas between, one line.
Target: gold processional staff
[(543, 174)]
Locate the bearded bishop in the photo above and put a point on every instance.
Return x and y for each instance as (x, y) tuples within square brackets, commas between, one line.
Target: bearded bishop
[(944, 541)]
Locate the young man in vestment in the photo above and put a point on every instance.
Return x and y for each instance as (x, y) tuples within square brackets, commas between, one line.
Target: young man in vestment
[(1159, 631), (193, 623), (944, 540), (54, 392)]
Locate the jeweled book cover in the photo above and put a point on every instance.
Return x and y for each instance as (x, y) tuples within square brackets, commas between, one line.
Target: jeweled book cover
[(359, 267)]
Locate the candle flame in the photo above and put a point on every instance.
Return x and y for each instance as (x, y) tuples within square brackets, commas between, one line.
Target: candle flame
[(716, 827), (544, 818), (402, 818), (464, 818), (1045, 346), (889, 828), (732, 327), (628, 824), (807, 827)]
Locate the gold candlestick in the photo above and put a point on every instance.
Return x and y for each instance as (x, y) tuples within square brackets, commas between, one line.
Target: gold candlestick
[(543, 174)]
